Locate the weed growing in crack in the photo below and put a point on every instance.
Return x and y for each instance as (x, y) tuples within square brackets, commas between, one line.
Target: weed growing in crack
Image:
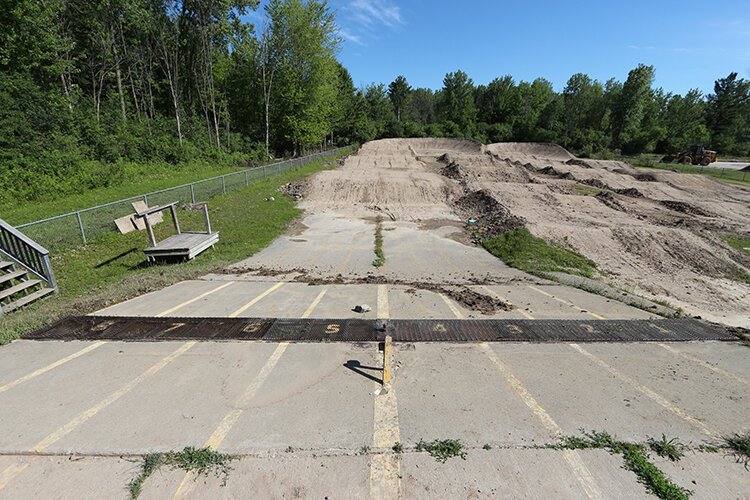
[(667, 448), (398, 448), (443, 449), (363, 450), (201, 461), (380, 260), (487, 447), (636, 460), (739, 444)]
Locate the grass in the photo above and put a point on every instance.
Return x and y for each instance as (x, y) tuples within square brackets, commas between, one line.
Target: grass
[(202, 462), (150, 179), (738, 242), (737, 274), (520, 249), (398, 448), (443, 449), (584, 190), (736, 176), (635, 460), (667, 448), (379, 254), (112, 268), (739, 444)]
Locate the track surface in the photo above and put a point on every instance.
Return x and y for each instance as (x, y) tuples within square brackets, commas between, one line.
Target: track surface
[(309, 420)]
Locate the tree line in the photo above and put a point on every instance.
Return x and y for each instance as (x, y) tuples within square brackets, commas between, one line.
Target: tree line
[(588, 117), (89, 87)]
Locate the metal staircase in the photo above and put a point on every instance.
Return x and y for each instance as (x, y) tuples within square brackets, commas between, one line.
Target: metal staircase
[(25, 271)]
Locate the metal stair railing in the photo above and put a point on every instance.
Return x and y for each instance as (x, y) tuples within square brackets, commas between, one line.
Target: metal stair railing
[(26, 252)]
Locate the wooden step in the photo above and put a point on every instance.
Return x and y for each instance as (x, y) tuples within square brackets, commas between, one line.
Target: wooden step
[(9, 292), (5, 265), (23, 301), (8, 278)]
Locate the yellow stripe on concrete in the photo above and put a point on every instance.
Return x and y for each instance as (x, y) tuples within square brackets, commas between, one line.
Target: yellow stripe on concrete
[(231, 418), (86, 415), (567, 303), (385, 467), (451, 306), (199, 297), (10, 473), (257, 299), (51, 366), (498, 296), (384, 311), (573, 459), (654, 396), (314, 303), (705, 364)]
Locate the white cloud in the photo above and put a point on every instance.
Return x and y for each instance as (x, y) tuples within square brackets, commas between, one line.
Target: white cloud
[(350, 37), (370, 12)]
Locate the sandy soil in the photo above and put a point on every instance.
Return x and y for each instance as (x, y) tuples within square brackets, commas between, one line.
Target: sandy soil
[(652, 232)]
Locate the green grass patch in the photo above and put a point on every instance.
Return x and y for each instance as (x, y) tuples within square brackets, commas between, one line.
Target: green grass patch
[(734, 176), (140, 178), (738, 242), (737, 274), (584, 190), (202, 462), (520, 249), (667, 448), (379, 254), (739, 444), (443, 449), (398, 448), (635, 460), (112, 268)]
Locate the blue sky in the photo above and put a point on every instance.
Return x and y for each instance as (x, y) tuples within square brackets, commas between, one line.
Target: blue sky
[(691, 43)]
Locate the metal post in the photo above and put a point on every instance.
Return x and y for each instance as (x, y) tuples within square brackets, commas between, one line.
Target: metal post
[(246, 181), (264, 172), (208, 221), (145, 199), (80, 226), (192, 194), (223, 184)]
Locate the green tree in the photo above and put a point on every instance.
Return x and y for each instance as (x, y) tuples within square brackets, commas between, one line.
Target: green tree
[(729, 115), (399, 92), (456, 103), (631, 108)]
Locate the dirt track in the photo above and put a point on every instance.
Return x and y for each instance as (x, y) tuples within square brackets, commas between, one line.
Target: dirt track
[(655, 233)]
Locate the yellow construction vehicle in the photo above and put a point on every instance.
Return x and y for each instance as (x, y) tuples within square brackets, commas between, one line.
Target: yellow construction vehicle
[(696, 155)]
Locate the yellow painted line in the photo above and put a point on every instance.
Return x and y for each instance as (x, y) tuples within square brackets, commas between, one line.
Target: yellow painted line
[(384, 311), (572, 458), (314, 303), (86, 415), (563, 301), (385, 467), (199, 297), (387, 353), (51, 366), (497, 295), (10, 473), (705, 364), (651, 394), (231, 418), (257, 299), (451, 306)]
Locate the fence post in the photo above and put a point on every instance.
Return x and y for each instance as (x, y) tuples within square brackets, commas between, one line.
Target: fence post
[(247, 183), (145, 199), (223, 184), (264, 172), (80, 226), (192, 194)]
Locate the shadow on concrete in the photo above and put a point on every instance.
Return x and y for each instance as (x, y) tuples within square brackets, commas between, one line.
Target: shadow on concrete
[(358, 368)]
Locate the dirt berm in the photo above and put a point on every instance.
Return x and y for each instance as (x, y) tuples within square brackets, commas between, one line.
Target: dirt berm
[(655, 233)]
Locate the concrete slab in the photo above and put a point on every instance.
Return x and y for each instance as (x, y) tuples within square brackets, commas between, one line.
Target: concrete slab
[(48, 402), (709, 475), (340, 300), (22, 357), (287, 475), (456, 392), (159, 301), (580, 395), (718, 402), (730, 357), (507, 473), (68, 477), (311, 401), (180, 406)]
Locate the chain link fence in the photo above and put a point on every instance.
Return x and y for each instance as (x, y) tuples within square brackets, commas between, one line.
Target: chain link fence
[(79, 227)]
